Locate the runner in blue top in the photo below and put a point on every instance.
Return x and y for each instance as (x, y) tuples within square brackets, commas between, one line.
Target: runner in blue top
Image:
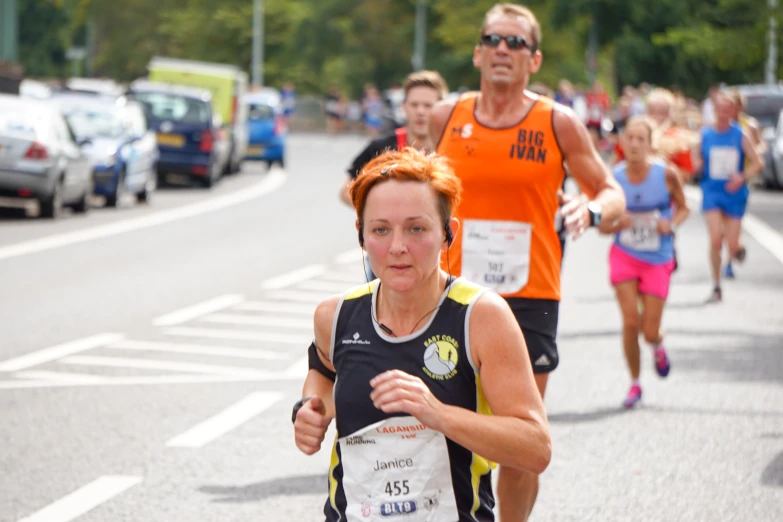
[(641, 259), (729, 160)]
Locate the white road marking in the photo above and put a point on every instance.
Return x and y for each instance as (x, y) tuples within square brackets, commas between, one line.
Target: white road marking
[(241, 335), (49, 380), (334, 287), (41, 375), (346, 277), (298, 370), (767, 236), (355, 255), (56, 352), (764, 234), (199, 349), (271, 182), (278, 321), (291, 278), (276, 306), (155, 364), (302, 296), (225, 421), (193, 312), (84, 499)]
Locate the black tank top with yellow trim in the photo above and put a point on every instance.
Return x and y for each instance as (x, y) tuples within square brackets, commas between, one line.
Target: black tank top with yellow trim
[(439, 354)]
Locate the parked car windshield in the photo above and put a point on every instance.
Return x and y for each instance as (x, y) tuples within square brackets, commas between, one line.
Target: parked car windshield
[(17, 123), (94, 123), (173, 107), (260, 111), (765, 108)]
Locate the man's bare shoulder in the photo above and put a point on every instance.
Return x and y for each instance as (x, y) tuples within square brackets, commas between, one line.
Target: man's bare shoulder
[(440, 117), (568, 127)]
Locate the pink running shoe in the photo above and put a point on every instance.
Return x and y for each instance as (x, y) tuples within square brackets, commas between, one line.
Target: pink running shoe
[(634, 396), (662, 365)]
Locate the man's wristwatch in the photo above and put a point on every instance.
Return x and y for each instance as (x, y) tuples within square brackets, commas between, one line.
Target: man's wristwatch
[(594, 208), (297, 407)]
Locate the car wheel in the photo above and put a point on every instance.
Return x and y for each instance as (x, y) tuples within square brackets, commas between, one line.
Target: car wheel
[(115, 199), (52, 208), (146, 194)]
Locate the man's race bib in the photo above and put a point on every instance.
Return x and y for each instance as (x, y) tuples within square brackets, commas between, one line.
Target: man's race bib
[(397, 468), (496, 254), (643, 235), (724, 161)]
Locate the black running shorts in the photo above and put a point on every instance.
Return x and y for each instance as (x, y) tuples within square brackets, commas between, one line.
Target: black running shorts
[(538, 320)]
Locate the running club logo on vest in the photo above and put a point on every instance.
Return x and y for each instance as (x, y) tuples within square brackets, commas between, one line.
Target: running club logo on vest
[(441, 357), (529, 146)]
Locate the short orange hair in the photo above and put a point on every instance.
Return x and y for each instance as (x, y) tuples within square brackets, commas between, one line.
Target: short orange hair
[(409, 165)]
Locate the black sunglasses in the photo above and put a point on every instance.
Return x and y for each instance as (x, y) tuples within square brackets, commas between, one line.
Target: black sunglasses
[(513, 42)]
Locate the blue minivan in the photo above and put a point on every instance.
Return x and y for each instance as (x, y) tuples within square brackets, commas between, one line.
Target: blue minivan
[(191, 138), (266, 127)]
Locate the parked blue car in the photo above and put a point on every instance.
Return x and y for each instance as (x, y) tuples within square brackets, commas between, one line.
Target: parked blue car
[(191, 138), (266, 127), (114, 134)]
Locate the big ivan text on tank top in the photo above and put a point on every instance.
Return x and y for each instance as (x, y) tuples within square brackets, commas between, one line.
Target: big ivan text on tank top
[(529, 146)]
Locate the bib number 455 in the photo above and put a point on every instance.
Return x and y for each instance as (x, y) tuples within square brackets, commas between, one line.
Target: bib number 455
[(397, 488)]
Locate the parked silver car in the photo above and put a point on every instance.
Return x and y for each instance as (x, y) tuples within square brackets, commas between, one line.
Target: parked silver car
[(40, 159), (764, 102)]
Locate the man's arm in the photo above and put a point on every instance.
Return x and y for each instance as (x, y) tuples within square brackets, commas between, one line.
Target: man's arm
[(590, 172), (439, 118)]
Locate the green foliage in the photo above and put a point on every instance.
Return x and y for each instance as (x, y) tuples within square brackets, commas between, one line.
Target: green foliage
[(316, 43)]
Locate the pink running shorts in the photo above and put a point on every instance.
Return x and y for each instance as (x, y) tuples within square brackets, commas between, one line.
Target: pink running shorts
[(653, 279)]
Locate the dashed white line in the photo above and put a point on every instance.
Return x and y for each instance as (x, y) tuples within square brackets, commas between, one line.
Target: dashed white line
[(335, 287), (277, 321), (198, 310), (271, 182), (56, 352), (84, 499), (302, 296), (276, 306), (354, 255), (199, 349), (225, 421), (239, 335), (345, 277), (292, 278), (155, 364)]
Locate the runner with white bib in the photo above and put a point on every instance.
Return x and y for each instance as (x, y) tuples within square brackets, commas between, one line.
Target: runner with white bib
[(510, 148), (729, 160), (426, 375), (641, 260)]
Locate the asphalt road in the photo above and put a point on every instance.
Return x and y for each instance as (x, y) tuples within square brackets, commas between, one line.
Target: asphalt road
[(150, 356)]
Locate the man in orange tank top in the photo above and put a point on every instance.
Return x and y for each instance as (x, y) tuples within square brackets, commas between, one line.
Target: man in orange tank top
[(510, 147)]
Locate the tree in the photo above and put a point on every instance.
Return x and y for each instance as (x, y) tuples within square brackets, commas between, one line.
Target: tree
[(692, 44), (43, 36)]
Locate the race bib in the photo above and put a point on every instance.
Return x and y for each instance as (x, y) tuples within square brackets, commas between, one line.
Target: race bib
[(724, 161), (643, 235), (397, 468), (496, 254)]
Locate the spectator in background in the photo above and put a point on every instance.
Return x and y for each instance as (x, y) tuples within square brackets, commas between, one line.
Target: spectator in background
[(708, 107), (373, 112), (565, 93), (334, 108), (598, 105), (288, 97), (541, 89)]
